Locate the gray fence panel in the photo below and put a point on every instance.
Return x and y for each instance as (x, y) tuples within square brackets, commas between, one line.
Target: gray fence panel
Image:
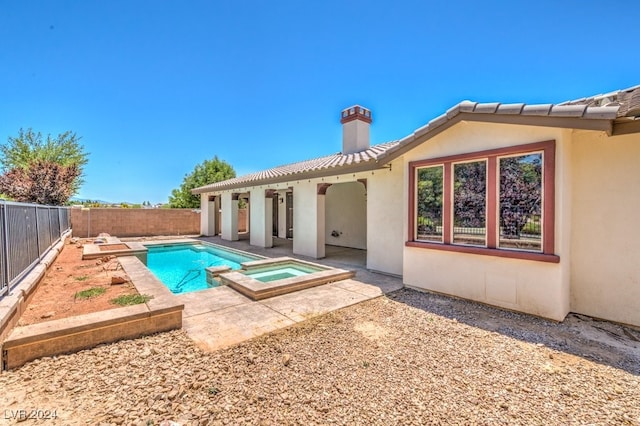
[(4, 280), (27, 232), (44, 229), (62, 220), (67, 215), (22, 237), (54, 225)]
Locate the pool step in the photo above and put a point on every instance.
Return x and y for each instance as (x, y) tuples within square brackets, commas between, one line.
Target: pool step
[(213, 272)]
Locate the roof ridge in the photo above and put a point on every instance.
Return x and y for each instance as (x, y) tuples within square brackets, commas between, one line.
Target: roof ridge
[(599, 97), (379, 145)]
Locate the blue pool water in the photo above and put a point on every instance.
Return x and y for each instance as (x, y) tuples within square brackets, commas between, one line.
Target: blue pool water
[(181, 267)]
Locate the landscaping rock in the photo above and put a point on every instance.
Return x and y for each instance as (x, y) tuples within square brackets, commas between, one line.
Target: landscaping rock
[(286, 359), (117, 279), (392, 360)]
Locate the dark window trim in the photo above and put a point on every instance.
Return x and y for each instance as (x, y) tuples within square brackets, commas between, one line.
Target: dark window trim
[(492, 155)]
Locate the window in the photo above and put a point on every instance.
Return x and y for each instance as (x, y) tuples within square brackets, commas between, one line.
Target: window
[(470, 203), (498, 202), (521, 202), (429, 204)]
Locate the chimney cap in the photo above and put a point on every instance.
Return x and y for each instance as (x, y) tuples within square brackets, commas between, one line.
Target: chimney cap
[(355, 112)]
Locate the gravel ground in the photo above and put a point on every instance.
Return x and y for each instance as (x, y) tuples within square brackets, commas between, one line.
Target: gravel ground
[(411, 358)]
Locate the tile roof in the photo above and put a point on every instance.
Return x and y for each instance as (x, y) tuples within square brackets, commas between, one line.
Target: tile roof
[(595, 109), (337, 163), (627, 101)]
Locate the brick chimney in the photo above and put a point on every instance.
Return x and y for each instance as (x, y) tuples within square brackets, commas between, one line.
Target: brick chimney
[(355, 129)]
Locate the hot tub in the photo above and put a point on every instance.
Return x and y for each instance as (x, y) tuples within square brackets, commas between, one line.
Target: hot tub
[(266, 278)]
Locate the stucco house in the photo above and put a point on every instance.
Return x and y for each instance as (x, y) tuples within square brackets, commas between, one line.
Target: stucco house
[(527, 207)]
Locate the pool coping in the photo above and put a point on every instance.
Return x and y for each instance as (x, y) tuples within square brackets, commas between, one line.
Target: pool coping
[(182, 241), (95, 251)]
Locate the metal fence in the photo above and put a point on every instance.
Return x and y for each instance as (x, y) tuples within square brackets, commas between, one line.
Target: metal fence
[(27, 232)]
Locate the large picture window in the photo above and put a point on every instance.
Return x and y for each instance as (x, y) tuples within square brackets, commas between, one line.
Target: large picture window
[(498, 202)]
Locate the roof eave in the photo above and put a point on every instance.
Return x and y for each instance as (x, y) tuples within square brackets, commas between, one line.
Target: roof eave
[(294, 177), (625, 127), (435, 127)]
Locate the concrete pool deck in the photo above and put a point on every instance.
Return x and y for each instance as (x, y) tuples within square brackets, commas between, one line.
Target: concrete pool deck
[(220, 317)]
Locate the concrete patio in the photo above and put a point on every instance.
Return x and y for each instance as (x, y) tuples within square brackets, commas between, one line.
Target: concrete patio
[(221, 317)]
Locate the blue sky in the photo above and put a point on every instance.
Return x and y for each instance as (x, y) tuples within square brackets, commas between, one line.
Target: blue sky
[(156, 87)]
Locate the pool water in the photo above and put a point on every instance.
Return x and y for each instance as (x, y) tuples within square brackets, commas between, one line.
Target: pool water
[(181, 267)]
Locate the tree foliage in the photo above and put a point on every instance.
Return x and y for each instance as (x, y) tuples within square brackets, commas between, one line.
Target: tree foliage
[(55, 161), (205, 173), (43, 182), (469, 194), (520, 192), (429, 200)]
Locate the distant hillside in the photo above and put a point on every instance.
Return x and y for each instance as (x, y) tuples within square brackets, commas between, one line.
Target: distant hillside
[(85, 200)]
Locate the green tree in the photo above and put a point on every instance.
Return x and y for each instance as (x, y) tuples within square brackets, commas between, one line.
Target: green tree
[(29, 149), (205, 173), (429, 200)]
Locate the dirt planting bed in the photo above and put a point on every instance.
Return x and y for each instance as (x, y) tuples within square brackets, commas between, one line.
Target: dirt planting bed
[(73, 286)]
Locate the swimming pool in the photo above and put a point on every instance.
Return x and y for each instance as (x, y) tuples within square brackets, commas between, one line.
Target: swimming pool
[(181, 267)]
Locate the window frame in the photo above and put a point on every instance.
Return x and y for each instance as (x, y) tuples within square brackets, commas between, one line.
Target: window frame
[(415, 203), (453, 201), (492, 156)]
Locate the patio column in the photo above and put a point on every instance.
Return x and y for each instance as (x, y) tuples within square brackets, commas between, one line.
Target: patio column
[(207, 215), (308, 220), (217, 230), (282, 214), (261, 218), (230, 216)]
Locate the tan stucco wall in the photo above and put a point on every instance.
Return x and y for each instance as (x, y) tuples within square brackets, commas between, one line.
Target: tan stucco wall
[(605, 269), (346, 213), (386, 215), (529, 286)]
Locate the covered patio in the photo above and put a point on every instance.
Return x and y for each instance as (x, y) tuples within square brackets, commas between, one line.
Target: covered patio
[(320, 208)]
